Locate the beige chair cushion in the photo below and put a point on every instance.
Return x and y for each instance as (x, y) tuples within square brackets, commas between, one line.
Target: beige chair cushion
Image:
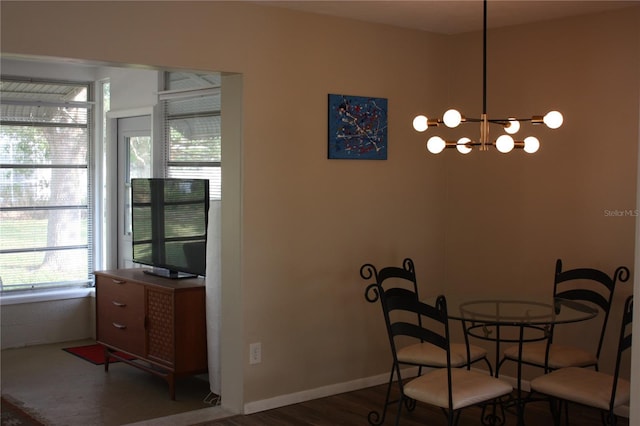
[(559, 355), (431, 355), (469, 387), (582, 385)]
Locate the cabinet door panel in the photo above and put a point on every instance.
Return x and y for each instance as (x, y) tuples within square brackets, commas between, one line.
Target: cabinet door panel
[(160, 326)]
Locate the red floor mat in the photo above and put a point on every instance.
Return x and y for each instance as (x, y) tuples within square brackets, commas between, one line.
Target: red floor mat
[(94, 354)]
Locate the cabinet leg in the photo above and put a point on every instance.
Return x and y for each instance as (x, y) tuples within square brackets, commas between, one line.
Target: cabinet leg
[(107, 357), (171, 379)]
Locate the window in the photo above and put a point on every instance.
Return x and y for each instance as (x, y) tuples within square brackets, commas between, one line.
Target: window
[(192, 128), (45, 184)]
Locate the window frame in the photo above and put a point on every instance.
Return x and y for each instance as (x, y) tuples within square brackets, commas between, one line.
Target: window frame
[(89, 166), (182, 94)]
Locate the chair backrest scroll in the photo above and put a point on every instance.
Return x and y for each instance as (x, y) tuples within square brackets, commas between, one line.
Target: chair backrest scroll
[(598, 289)]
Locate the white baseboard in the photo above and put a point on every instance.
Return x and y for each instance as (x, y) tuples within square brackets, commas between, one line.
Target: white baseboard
[(353, 385), (321, 392), (307, 395)]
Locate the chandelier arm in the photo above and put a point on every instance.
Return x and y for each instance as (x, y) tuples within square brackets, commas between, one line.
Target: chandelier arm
[(474, 143), (507, 120), (534, 120)]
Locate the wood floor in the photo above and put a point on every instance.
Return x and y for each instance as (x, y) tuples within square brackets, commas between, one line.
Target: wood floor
[(352, 409)]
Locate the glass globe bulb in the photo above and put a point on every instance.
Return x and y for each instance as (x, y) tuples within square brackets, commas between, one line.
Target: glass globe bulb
[(531, 144), (553, 119), (462, 147), (452, 118), (420, 123), (435, 144), (512, 126), (505, 144)]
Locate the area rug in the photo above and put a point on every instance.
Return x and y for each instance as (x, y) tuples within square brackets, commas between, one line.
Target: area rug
[(94, 354), (13, 415)]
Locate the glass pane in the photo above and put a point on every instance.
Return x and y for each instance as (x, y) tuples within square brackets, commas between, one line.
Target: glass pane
[(139, 166), (41, 246), (36, 145), (39, 229), (43, 91), (186, 80), (68, 116), (139, 157), (212, 173), (202, 104), (195, 139), (21, 187), (53, 268)]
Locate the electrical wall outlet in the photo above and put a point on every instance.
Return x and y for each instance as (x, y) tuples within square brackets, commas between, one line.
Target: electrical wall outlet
[(255, 353)]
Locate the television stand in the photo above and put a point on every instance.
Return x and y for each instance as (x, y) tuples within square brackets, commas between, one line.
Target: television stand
[(159, 321), (168, 273)]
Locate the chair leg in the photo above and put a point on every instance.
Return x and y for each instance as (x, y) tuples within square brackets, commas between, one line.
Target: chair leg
[(490, 414), (609, 418), (555, 407), (374, 417), (410, 404), (399, 410), (456, 417)]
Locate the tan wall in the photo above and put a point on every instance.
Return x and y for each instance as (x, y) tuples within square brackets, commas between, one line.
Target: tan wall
[(308, 223)]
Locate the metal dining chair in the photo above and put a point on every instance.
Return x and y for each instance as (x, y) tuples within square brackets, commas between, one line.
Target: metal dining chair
[(588, 387), (419, 354), (588, 285), (447, 387)]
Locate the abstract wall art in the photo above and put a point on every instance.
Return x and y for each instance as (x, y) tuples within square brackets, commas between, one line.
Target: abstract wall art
[(357, 127)]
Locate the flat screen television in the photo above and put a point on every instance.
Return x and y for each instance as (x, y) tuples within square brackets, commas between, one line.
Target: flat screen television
[(169, 225)]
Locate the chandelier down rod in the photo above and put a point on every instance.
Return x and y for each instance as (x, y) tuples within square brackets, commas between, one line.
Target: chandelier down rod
[(484, 59), (511, 125)]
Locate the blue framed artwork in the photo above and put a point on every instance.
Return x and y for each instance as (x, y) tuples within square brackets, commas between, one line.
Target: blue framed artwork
[(357, 127)]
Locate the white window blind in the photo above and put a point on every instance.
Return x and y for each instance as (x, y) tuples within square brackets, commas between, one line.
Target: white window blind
[(192, 128), (45, 191)]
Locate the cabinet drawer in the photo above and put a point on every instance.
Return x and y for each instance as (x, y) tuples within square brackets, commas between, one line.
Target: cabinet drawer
[(120, 313)]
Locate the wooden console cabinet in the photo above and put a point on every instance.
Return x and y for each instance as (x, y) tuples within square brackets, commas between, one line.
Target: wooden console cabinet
[(159, 321)]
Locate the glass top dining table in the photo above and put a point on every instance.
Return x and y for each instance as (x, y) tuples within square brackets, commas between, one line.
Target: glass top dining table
[(515, 312), (531, 318), (488, 318)]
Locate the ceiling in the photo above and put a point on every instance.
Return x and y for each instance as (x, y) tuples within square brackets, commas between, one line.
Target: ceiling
[(453, 16)]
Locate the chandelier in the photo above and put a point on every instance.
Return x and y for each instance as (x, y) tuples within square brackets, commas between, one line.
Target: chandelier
[(511, 125)]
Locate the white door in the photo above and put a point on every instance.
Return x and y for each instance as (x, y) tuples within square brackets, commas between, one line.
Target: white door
[(134, 161)]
